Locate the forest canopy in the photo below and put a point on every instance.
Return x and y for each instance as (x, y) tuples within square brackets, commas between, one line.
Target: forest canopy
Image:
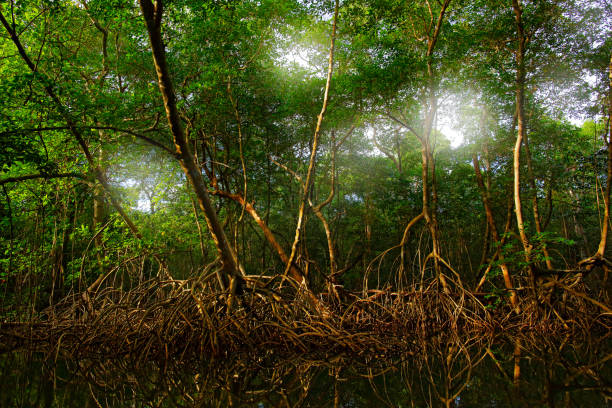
[(347, 145)]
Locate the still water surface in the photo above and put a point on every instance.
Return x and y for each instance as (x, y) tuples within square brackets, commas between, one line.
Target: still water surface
[(506, 372)]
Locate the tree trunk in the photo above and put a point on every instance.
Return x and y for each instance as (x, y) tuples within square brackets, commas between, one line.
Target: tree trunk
[(578, 229), (315, 142), (520, 113), (153, 17), (317, 209), (200, 234), (534, 200), (604, 231), (99, 214), (268, 234), (72, 128), (493, 228), (427, 158)]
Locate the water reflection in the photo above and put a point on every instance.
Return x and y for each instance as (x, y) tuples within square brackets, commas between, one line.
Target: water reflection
[(527, 372)]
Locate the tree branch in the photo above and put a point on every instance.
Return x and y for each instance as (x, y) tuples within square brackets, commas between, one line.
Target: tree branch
[(113, 128), (43, 176), (404, 124)]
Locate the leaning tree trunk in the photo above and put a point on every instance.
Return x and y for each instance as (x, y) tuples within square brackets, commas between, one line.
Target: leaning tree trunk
[(71, 125), (153, 17), (268, 234)]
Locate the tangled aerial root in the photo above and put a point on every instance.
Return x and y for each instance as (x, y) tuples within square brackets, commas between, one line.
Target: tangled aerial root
[(189, 318)]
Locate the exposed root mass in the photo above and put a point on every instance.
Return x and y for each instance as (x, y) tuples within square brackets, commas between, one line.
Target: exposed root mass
[(179, 319)]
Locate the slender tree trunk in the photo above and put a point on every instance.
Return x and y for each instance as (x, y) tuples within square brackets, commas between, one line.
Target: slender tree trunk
[(601, 250), (549, 203), (99, 215), (264, 262), (55, 255), (200, 233), (99, 205), (578, 229), (268, 234), (72, 128), (317, 209), (66, 232), (434, 218), (520, 113), (330, 242), (315, 143), (534, 200), (485, 244), (427, 157), (430, 195), (493, 228)]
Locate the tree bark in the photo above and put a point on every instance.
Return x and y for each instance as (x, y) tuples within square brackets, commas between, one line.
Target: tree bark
[(328, 235), (153, 16), (427, 157), (99, 214), (534, 201), (520, 113), (604, 231), (493, 228), (43, 176), (268, 234), (315, 143), (200, 233), (71, 126)]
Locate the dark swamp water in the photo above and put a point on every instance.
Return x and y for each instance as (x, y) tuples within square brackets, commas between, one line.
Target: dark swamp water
[(531, 371)]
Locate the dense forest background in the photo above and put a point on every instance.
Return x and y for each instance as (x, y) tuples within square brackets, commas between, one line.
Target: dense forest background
[(348, 146)]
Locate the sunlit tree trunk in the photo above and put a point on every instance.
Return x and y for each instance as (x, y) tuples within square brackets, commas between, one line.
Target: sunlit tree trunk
[(520, 114), (605, 224), (317, 209), (429, 192), (315, 143), (428, 164), (99, 204), (429, 196)]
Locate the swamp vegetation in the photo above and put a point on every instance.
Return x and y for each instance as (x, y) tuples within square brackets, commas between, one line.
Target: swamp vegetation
[(305, 203)]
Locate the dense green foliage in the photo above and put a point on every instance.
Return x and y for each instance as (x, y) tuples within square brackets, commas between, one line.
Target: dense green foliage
[(249, 78)]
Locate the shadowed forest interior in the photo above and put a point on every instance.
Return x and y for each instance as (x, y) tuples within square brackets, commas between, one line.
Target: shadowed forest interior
[(185, 180)]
